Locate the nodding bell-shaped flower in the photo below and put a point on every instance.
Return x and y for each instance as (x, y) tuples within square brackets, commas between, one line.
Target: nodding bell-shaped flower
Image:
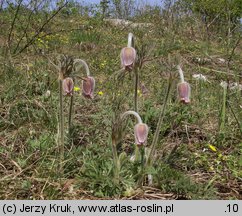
[(128, 57), (141, 133), (88, 85), (68, 86), (184, 90)]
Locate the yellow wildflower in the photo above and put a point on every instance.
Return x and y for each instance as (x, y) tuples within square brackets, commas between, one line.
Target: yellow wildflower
[(213, 148), (76, 89), (211, 168), (100, 93)]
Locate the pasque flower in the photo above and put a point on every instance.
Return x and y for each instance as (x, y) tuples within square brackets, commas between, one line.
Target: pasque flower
[(184, 92), (68, 86), (128, 54), (141, 133), (183, 88), (88, 85), (140, 129)]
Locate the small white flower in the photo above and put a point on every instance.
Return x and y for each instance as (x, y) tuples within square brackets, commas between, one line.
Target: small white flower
[(205, 149), (132, 158), (200, 77), (235, 86), (47, 93), (224, 84), (232, 86), (221, 60)]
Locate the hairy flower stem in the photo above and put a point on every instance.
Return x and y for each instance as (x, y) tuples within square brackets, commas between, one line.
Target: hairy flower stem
[(130, 40), (136, 151), (70, 114), (136, 90), (223, 111), (157, 131), (142, 152), (83, 63), (180, 73), (61, 144), (116, 159), (136, 81), (136, 104), (131, 113)]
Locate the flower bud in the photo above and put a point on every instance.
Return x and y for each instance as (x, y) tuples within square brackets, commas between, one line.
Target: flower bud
[(141, 133), (68, 86), (128, 56), (184, 92), (88, 86)]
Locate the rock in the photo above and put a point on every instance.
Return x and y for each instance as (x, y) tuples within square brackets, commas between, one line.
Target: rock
[(127, 23)]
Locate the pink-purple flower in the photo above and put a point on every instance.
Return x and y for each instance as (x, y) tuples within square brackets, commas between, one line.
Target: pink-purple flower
[(184, 91), (128, 57), (68, 86), (88, 85), (141, 133)]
